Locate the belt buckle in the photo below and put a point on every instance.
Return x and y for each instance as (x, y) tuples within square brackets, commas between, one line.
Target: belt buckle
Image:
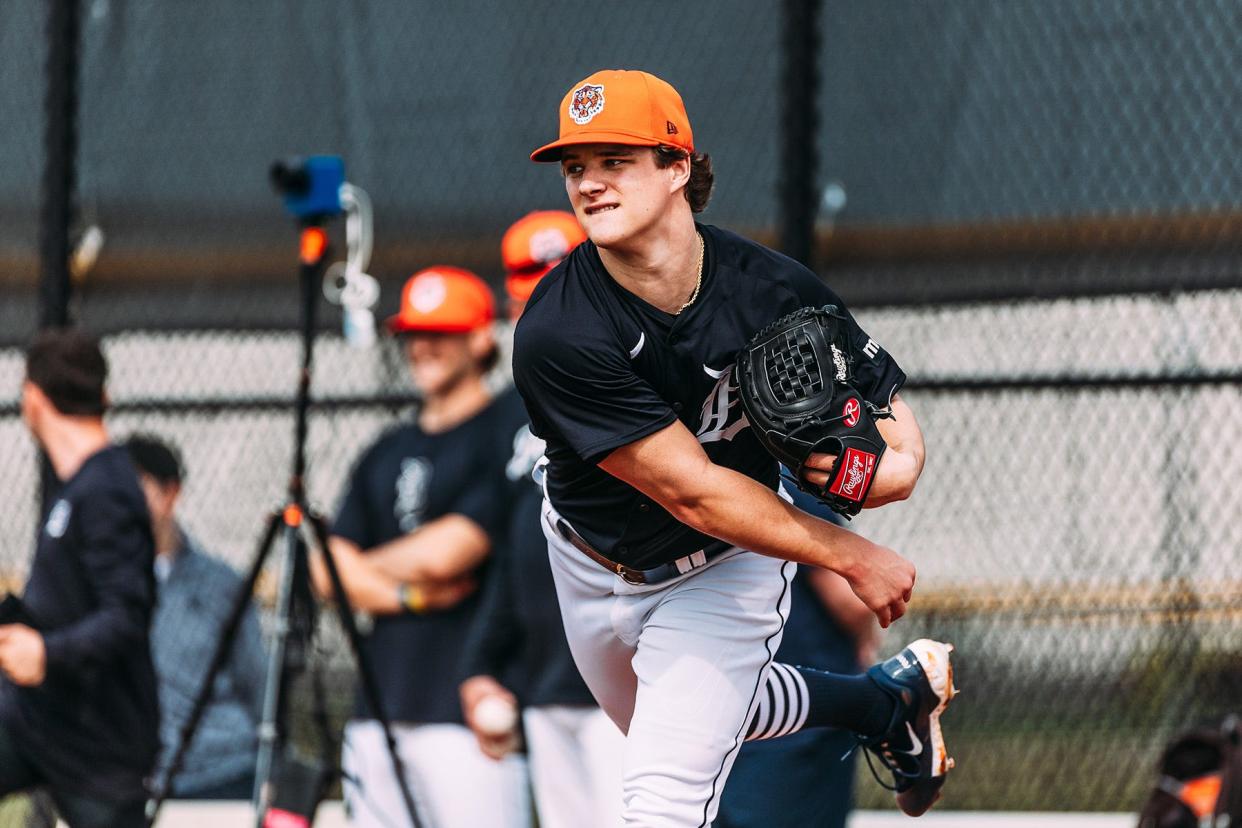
[(624, 572)]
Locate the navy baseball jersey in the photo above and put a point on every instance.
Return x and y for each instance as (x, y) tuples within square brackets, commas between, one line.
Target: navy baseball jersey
[(599, 368), (406, 479)]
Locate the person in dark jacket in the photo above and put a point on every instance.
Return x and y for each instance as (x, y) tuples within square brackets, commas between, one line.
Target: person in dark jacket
[(78, 709)]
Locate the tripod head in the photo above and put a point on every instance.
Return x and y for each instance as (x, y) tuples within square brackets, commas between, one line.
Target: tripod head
[(311, 186)]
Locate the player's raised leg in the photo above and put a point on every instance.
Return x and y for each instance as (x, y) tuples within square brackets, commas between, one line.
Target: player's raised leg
[(705, 648)]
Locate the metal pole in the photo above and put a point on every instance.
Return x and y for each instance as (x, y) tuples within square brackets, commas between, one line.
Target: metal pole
[(56, 214), (59, 165), (799, 160)]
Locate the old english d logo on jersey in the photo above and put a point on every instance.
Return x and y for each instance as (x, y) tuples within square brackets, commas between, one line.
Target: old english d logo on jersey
[(722, 418), (854, 474), (587, 102)]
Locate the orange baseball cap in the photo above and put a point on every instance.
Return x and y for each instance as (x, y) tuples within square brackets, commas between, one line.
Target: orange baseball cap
[(620, 106), (444, 299), (534, 245)]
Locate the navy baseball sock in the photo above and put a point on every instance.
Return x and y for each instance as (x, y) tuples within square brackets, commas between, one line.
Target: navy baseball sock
[(795, 697)]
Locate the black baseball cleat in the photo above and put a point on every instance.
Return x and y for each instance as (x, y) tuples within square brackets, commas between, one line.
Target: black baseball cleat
[(920, 678)]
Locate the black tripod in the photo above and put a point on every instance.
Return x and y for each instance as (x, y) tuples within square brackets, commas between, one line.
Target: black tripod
[(294, 592)]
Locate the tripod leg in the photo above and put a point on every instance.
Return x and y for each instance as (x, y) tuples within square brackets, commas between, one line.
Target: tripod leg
[(370, 689), (224, 645), (291, 518)]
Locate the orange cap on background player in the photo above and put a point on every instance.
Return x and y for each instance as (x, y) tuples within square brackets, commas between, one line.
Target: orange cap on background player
[(620, 106), (533, 245), (444, 299)]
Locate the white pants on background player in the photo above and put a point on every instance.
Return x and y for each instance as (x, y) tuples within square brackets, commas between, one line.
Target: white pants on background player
[(453, 783), (676, 665), (575, 757)]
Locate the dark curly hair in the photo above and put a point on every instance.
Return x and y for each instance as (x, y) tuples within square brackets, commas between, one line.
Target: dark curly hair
[(699, 187), (68, 366)]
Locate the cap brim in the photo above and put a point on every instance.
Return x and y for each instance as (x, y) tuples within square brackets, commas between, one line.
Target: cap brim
[(552, 151), (397, 325), (521, 287)]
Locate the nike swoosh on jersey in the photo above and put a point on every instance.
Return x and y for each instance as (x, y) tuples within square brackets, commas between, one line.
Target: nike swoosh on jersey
[(713, 373), (642, 340)]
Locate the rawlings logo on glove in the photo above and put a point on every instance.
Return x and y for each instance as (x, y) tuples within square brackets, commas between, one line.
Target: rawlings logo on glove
[(795, 379)]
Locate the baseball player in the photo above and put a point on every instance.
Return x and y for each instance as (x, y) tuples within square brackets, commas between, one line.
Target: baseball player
[(671, 549), (573, 749), (412, 533)]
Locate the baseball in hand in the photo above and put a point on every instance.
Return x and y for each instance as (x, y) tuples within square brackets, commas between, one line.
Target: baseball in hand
[(496, 716)]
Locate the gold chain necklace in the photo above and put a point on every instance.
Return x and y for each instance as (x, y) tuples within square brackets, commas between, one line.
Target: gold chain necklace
[(698, 281)]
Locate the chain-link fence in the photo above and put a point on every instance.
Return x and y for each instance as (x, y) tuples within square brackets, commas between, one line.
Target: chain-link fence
[(1036, 207)]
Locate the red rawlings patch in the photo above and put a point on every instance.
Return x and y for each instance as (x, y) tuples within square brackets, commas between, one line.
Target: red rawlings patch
[(851, 412), (854, 476)]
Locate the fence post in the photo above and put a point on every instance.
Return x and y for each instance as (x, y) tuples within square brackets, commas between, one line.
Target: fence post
[(60, 151), (798, 198), (57, 209)]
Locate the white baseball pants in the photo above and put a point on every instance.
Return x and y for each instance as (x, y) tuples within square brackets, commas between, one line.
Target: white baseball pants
[(453, 783), (676, 665), (574, 755)]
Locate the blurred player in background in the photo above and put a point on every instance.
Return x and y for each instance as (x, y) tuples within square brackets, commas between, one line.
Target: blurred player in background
[(828, 627), (416, 525), (196, 592), (78, 709), (574, 749)]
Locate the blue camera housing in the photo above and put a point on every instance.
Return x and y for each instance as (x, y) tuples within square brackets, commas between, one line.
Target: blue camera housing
[(322, 198)]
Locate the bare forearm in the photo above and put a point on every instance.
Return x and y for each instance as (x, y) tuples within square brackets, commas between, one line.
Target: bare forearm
[(672, 469), (366, 588), (895, 478), (447, 548), (765, 523), (902, 464)]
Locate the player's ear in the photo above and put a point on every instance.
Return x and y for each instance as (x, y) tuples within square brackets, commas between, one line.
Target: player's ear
[(482, 344), (680, 173), (33, 402)]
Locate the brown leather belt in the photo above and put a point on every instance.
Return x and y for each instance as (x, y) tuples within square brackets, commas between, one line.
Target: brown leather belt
[(656, 575)]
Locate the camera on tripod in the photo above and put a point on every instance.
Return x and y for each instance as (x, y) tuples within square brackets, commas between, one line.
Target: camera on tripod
[(311, 185), (288, 788)]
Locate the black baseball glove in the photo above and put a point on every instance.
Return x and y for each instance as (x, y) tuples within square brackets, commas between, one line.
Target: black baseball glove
[(795, 378)]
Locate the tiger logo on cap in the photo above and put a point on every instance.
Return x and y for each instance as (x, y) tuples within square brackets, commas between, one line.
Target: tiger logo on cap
[(549, 245), (429, 293), (586, 103)]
